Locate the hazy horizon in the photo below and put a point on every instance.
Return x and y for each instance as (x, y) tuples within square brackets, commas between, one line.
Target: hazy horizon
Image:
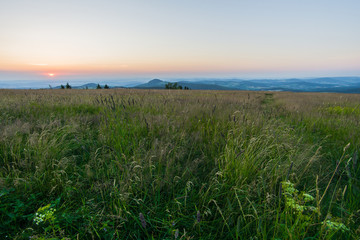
[(56, 41), (132, 82)]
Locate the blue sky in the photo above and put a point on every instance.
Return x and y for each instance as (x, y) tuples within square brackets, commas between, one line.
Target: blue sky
[(171, 39)]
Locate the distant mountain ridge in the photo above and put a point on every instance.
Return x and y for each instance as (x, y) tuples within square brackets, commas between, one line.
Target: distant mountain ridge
[(329, 84), (324, 84), (159, 84)]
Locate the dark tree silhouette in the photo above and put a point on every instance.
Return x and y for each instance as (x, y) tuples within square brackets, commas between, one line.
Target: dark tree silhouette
[(106, 86), (173, 86), (68, 86), (98, 87)]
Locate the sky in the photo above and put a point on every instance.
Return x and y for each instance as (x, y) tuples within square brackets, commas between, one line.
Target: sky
[(50, 40)]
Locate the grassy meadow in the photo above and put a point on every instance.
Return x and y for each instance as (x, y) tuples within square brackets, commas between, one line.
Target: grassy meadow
[(176, 164)]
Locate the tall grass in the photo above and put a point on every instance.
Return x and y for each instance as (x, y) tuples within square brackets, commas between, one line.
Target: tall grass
[(141, 164)]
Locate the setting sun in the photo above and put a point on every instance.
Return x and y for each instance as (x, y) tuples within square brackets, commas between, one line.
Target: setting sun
[(51, 74)]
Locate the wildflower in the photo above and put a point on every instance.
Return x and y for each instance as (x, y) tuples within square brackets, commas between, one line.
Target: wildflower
[(198, 217), (142, 220), (44, 214)]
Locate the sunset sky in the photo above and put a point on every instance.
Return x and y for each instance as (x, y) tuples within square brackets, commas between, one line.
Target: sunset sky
[(115, 39)]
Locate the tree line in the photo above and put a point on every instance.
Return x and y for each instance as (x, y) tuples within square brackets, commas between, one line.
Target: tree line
[(68, 86), (175, 86)]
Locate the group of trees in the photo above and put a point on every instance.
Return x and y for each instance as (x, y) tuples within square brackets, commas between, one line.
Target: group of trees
[(175, 86), (105, 87), (67, 86)]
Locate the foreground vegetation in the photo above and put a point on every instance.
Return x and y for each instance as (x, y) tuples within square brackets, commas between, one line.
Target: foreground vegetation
[(171, 164)]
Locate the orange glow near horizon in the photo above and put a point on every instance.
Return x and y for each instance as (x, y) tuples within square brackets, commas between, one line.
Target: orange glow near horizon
[(59, 70)]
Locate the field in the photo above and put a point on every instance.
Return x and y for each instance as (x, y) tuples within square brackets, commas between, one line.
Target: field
[(176, 164)]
